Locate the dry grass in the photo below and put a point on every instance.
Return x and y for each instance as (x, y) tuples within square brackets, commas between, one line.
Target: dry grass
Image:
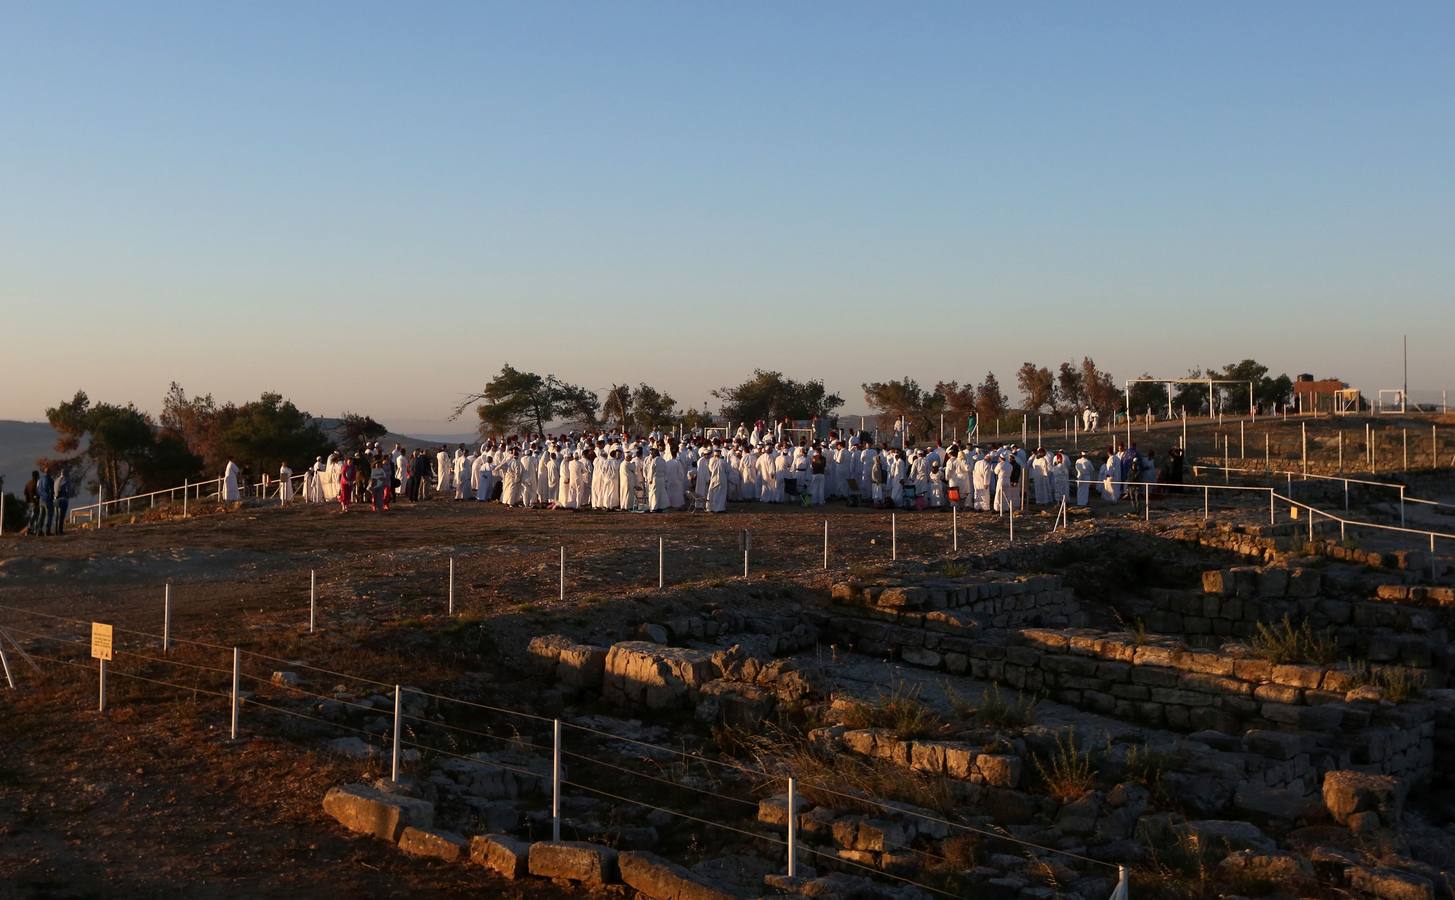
[(995, 710), (1066, 773), (1287, 643), (899, 710)]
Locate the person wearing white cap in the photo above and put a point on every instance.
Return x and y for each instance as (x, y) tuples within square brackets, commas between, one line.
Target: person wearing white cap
[(1005, 494), (1110, 474), (1060, 478), (1041, 477), (957, 475), (1085, 475), (285, 482), (628, 477), (981, 478), (676, 481)]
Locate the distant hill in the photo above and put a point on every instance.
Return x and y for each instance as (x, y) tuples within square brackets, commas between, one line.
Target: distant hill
[(21, 443)]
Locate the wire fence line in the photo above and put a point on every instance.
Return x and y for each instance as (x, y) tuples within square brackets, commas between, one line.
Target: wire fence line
[(236, 699)]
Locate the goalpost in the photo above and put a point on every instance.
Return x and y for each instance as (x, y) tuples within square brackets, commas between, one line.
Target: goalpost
[(1396, 402), (1346, 401)]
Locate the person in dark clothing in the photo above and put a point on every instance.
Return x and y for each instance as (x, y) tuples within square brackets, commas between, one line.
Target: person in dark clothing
[(418, 476), (32, 504), (46, 490), (63, 501)]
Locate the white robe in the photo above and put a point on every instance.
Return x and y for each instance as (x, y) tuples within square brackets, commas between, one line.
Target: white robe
[(656, 478), (1041, 480), (627, 478), (285, 483), (512, 492), (1060, 482), (229, 483), (981, 481), (676, 483), (1085, 475), (717, 484), (442, 472)]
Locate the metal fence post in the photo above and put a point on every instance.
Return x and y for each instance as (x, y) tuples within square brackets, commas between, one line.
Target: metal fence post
[(236, 678), (1405, 438), (394, 754), (661, 563), (955, 528), (186, 489), (792, 828), (893, 536), (312, 597), (167, 618), (1401, 506), (1012, 523), (825, 545), (10, 680), (555, 779), (563, 573), (101, 684), (1147, 503), (450, 607), (1271, 520)]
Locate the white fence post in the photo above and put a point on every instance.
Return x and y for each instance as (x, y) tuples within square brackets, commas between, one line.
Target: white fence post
[(825, 545), (555, 779), (1205, 492), (101, 684), (312, 597), (450, 608), (792, 828), (167, 618), (563, 573), (236, 678), (1147, 503), (1012, 523), (661, 563), (186, 489), (10, 680), (893, 537), (394, 754), (1271, 519), (955, 528)]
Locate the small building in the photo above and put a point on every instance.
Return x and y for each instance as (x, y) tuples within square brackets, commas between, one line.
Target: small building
[(1318, 396)]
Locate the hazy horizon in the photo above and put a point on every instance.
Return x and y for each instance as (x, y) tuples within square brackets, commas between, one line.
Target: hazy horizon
[(373, 211)]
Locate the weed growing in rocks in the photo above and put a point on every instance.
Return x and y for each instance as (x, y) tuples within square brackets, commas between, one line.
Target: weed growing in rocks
[(1287, 643), (1067, 773), (1397, 683), (900, 710), (995, 710)]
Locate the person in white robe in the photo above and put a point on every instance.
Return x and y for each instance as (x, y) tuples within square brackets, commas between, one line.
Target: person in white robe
[(937, 485), (1060, 478), (752, 488), (565, 494), (510, 472), (580, 481), (655, 478), (894, 478), (717, 482), (919, 473), (866, 470), (701, 477), (1005, 494), (676, 483), (1041, 478), (767, 476), (459, 474), (980, 483), (734, 462), (229, 482), (547, 474), (627, 479), (331, 478), (442, 471), (957, 476), (285, 483), (608, 483), (1110, 474), (1085, 476)]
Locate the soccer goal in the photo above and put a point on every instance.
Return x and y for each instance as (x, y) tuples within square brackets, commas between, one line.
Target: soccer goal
[(1391, 401)]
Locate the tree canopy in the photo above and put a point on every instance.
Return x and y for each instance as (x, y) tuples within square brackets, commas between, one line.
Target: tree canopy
[(769, 395), (515, 401)]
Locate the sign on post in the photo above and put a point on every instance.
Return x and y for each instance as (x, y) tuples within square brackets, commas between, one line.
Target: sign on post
[(100, 641)]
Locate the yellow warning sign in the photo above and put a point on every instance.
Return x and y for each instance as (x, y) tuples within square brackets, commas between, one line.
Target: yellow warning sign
[(100, 641)]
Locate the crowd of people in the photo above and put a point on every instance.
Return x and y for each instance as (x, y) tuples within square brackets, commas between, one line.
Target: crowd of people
[(47, 499), (658, 472)]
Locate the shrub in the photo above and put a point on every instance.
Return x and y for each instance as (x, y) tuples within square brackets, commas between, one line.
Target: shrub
[(995, 711), (900, 710)]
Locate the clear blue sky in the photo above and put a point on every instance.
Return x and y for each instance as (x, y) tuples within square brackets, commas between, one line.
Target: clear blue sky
[(371, 206)]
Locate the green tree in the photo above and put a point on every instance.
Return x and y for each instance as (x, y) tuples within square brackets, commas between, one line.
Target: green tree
[(895, 399), (769, 395), (1102, 393), (651, 407), (1037, 385), (990, 402), (267, 431), (616, 409), (1070, 387), (1148, 395), (355, 431), (118, 440), (516, 401), (1267, 390)]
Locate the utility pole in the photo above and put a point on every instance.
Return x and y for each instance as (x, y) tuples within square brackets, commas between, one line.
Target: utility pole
[(1404, 397)]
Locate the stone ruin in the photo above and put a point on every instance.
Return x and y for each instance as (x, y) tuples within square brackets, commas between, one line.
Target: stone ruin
[(1157, 727)]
